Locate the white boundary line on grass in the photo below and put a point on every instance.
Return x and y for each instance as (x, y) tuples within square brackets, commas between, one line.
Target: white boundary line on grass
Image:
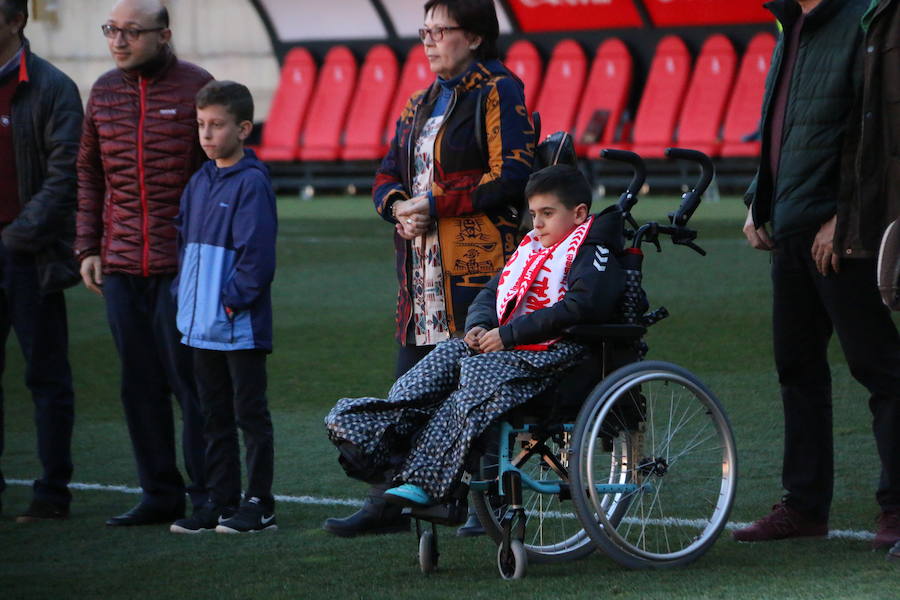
[(847, 534)]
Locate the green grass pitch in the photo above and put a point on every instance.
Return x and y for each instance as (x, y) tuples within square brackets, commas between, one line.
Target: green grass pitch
[(334, 295)]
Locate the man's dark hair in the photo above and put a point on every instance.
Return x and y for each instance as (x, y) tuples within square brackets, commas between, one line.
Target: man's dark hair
[(475, 16), (235, 97), (11, 8), (162, 17), (563, 181)]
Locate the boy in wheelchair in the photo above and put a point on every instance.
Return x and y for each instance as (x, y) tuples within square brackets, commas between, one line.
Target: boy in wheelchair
[(565, 272)]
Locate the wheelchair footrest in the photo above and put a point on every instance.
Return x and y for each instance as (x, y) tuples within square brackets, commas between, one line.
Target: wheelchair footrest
[(451, 514)]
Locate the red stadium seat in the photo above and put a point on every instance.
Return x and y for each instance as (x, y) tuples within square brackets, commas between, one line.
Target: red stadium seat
[(416, 75), (707, 96), (281, 135), (604, 98), (561, 90), (662, 97), (372, 99), (745, 108), (328, 111), (523, 59)]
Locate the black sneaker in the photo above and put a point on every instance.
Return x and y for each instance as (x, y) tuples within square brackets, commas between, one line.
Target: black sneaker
[(205, 518), (252, 516), (41, 510)]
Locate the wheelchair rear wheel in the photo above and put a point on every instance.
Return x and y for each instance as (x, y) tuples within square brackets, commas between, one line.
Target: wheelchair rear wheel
[(552, 531), (679, 466)]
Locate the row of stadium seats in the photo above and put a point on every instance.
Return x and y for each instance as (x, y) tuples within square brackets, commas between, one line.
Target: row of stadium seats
[(343, 112)]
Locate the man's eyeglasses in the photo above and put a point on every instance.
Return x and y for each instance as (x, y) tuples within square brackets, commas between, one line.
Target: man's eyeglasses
[(437, 33), (131, 34)]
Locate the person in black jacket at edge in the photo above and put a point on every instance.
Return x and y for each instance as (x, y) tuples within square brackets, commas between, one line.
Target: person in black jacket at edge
[(823, 269), (40, 124), (564, 272)]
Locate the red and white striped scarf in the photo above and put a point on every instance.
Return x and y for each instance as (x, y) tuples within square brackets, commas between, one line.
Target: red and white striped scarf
[(536, 277)]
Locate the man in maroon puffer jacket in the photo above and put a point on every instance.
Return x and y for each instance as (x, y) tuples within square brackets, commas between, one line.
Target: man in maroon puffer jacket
[(138, 149)]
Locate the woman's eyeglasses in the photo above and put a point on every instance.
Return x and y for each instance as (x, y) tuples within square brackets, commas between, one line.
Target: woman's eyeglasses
[(436, 33)]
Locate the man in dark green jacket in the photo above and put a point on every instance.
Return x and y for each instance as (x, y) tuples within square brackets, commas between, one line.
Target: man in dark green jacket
[(40, 124), (811, 94)]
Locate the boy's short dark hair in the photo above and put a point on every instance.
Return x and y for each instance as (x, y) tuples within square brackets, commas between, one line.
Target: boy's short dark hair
[(11, 8), (475, 16), (563, 181), (235, 97)]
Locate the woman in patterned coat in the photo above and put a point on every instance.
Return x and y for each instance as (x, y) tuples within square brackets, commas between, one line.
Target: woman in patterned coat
[(452, 194)]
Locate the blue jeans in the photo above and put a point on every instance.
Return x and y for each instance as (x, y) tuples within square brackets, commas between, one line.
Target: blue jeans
[(141, 314), (41, 328)]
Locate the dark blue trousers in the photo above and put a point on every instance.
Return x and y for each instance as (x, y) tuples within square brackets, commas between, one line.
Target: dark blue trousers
[(232, 389), (807, 308), (141, 314), (41, 328)]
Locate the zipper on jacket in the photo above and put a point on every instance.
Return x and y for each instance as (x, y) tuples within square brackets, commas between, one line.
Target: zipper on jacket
[(142, 188), (196, 291)]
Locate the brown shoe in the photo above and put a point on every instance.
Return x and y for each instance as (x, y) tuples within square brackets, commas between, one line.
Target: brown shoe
[(888, 529), (782, 523), (41, 510)]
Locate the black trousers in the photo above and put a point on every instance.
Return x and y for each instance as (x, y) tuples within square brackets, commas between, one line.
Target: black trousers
[(141, 314), (807, 308), (232, 389), (41, 328)]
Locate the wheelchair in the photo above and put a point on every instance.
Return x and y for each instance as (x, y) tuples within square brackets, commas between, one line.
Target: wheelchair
[(634, 457)]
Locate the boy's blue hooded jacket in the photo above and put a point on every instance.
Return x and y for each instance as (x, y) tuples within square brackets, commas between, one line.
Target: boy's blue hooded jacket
[(226, 248)]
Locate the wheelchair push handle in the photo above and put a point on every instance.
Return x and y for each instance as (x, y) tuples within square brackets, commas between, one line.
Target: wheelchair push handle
[(630, 196), (691, 200)]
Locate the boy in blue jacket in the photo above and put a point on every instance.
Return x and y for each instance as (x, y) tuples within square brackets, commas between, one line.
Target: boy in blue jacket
[(226, 248)]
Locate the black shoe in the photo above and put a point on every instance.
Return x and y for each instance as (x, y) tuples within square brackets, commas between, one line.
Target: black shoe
[(894, 553), (146, 515), (205, 518), (375, 517), (472, 527), (41, 510), (251, 517)]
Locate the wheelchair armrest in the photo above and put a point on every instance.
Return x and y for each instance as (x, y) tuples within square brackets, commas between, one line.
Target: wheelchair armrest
[(597, 334)]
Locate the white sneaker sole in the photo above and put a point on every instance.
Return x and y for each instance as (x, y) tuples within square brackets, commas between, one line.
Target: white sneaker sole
[(223, 529), (179, 529)]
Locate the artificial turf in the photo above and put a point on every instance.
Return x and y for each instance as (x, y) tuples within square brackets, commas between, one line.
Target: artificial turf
[(334, 295)]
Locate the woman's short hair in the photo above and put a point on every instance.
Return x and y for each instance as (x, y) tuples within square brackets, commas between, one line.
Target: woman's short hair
[(475, 16)]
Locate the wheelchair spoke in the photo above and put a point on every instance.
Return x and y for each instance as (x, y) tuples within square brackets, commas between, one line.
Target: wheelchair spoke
[(668, 436)]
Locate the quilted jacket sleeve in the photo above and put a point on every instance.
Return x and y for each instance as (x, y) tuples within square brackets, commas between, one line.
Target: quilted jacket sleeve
[(91, 189)]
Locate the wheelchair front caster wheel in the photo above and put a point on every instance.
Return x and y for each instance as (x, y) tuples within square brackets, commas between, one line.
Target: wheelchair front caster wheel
[(513, 562), (428, 554)]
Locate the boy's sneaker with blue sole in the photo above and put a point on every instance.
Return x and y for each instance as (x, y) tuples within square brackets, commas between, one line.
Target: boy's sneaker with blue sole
[(251, 517), (205, 518), (408, 495)]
